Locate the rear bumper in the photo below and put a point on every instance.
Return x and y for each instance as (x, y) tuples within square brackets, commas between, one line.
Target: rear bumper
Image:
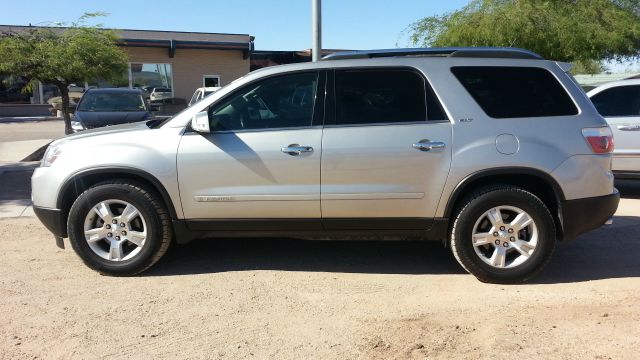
[(52, 219), (626, 175), (582, 215)]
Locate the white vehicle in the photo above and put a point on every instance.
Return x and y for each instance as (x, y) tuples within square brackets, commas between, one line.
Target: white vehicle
[(201, 93), (160, 93), (619, 103)]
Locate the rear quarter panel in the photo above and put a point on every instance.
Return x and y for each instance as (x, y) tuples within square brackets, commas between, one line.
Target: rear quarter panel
[(543, 143)]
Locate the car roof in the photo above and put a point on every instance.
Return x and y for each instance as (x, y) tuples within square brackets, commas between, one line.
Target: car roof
[(115, 91), (613, 84)]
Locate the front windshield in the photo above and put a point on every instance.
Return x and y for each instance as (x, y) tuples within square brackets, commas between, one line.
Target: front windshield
[(112, 102)]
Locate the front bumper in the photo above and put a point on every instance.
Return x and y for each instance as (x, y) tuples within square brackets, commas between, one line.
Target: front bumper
[(53, 220), (582, 215)]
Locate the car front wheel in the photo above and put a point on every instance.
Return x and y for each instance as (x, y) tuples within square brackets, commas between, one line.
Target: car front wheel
[(119, 228)]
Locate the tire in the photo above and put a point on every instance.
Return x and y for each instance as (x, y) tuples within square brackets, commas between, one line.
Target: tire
[(518, 252), (127, 239)]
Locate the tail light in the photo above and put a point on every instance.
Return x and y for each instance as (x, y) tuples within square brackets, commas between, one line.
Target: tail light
[(600, 139)]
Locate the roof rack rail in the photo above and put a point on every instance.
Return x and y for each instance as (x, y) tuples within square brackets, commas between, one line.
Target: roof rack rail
[(469, 52)]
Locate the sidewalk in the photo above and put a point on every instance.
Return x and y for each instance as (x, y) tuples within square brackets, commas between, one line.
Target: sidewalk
[(25, 150), (15, 189), (16, 208)]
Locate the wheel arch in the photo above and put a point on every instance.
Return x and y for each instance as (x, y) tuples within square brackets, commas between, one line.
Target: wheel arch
[(536, 181), (82, 180)]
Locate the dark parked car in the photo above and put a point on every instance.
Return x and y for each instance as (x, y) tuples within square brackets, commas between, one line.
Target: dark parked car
[(103, 107)]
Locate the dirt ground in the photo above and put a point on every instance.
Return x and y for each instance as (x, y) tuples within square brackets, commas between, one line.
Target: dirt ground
[(288, 299)]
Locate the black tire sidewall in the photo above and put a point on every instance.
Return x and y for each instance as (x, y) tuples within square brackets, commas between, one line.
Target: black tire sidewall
[(516, 198), (89, 199)]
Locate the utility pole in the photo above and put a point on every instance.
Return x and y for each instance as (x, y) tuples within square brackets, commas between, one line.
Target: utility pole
[(316, 30)]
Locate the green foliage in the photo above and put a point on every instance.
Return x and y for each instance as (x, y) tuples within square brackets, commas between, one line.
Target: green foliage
[(63, 56), (566, 30), (588, 67)]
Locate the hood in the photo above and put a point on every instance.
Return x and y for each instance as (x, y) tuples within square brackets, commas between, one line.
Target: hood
[(94, 119), (138, 126)]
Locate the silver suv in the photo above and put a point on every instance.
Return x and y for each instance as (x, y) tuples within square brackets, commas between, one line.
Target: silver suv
[(497, 153)]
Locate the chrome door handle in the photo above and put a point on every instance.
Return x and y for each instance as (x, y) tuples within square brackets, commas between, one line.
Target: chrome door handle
[(295, 149), (426, 145), (629, 127)]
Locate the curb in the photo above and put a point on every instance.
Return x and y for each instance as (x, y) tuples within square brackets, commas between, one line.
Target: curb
[(38, 154), (25, 119)]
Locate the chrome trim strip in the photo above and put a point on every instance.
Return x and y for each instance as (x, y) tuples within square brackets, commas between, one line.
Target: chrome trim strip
[(422, 122), (234, 198), (308, 197), (372, 196)]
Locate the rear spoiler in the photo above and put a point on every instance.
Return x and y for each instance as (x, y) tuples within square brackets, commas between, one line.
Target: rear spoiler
[(566, 67)]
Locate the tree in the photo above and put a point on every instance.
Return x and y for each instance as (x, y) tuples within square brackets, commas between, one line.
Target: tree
[(583, 31), (62, 56)]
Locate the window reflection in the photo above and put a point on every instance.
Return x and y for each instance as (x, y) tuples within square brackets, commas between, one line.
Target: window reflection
[(155, 80)]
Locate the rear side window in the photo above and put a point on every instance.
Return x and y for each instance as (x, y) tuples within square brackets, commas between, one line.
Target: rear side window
[(384, 96), (618, 101), (515, 92)]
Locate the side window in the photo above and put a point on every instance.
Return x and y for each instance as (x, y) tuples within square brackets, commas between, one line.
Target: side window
[(280, 102), (618, 101), (515, 92), (384, 96)]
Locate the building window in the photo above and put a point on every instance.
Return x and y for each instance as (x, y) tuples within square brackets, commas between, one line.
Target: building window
[(211, 80), (147, 77), (12, 90)]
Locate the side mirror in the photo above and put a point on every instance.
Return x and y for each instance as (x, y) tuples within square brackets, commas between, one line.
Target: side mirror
[(200, 122)]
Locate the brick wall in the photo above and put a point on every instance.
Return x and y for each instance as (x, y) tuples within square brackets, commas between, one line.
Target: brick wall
[(189, 65)]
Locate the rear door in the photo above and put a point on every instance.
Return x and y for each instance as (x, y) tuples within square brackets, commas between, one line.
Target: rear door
[(386, 150), (620, 106)]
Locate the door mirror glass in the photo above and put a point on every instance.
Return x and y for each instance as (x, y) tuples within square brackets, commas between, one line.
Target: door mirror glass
[(200, 122)]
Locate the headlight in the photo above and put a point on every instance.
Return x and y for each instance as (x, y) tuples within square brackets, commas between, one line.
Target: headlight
[(53, 152), (77, 125)]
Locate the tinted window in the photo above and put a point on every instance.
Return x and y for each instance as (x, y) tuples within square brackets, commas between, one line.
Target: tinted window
[(281, 102), (618, 101), (515, 92), (110, 102), (383, 96)]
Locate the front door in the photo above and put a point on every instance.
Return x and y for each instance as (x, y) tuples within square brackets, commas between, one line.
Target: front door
[(387, 154), (262, 157)]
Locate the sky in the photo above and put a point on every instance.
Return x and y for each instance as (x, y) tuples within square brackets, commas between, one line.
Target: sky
[(276, 24)]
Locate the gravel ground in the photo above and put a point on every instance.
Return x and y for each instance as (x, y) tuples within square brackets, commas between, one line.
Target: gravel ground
[(289, 299)]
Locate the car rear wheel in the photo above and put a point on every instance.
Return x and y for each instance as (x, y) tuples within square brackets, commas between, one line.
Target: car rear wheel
[(119, 228), (503, 234)]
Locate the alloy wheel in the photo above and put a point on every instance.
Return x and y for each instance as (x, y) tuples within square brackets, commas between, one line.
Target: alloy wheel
[(505, 237), (115, 230)]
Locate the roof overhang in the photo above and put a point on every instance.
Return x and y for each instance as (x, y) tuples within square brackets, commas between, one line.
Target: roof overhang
[(173, 45)]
